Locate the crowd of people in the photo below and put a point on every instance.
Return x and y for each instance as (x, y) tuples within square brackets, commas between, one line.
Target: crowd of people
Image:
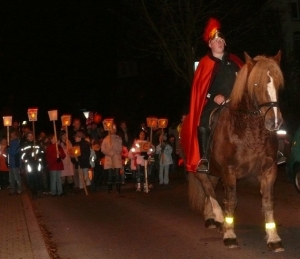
[(105, 153), (48, 163)]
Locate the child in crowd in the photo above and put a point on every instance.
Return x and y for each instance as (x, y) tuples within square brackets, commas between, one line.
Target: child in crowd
[(83, 161), (14, 162), (67, 174), (98, 169), (54, 156), (139, 158), (112, 148), (164, 150)]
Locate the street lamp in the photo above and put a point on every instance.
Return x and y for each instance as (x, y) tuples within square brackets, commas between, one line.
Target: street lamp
[(66, 121), (32, 116), (7, 121), (53, 117), (86, 114), (87, 117)]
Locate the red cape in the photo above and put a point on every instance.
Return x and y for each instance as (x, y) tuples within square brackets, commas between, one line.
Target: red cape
[(188, 134)]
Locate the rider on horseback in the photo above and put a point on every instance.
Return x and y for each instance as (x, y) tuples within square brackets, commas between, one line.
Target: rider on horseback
[(212, 85)]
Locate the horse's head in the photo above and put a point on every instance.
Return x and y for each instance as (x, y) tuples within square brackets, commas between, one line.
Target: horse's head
[(260, 80)]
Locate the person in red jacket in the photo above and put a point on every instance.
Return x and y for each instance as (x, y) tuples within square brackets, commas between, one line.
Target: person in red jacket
[(212, 85), (54, 156)]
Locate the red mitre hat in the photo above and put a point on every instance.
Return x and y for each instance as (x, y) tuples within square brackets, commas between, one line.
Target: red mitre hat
[(212, 30)]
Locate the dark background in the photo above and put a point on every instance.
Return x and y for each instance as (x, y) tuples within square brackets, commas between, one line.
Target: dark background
[(64, 55)]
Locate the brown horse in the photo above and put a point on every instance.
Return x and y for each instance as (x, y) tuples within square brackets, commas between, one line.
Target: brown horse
[(243, 143)]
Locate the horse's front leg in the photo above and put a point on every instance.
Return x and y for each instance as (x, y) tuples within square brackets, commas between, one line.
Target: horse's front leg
[(230, 202), (267, 183)]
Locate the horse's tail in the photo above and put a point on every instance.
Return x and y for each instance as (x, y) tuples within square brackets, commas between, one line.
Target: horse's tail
[(196, 194)]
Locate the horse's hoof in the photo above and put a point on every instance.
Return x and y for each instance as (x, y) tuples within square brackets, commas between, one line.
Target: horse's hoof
[(230, 243), (210, 223), (276, 247)]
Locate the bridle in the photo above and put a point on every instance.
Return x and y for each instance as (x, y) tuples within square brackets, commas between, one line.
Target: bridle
[(269, 105), (257, 111)]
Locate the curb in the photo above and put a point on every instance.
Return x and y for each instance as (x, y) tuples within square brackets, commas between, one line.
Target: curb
[(37, 241)]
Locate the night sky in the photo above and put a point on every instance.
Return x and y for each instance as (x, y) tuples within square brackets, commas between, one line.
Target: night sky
[(64, 55), (56, 55)]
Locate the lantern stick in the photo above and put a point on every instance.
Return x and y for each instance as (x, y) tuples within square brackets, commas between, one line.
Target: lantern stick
[(67, 138), (151, 133), (7, 135), (112, 158), (82, 178), (56, 145), (146, 175), (33, 132)]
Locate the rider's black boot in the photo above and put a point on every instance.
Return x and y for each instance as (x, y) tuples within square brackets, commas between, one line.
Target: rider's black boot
[(203, 139)]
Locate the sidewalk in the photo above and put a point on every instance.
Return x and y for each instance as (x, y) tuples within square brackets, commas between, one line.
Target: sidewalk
[(20, 234)]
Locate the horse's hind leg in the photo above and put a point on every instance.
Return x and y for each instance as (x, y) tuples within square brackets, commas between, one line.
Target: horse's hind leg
[(273, 240), (230, 202), (213, 214)]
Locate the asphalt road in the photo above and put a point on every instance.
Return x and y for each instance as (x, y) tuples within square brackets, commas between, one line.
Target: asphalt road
[(161, 225)]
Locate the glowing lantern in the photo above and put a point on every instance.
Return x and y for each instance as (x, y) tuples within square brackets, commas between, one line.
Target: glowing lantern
[(66, 120), (75, 151), (108, 124), (32, 114), (162, 123), (7, 121), (52, 115), (144, 146), (151, 122)]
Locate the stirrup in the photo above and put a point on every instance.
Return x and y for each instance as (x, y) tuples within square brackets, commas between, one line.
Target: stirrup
[(203, 166)]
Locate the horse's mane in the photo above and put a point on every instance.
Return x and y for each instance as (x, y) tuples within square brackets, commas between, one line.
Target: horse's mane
[(254, 75)]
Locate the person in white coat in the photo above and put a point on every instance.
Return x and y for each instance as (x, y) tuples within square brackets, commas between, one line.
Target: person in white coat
[(112, 147), (67, 174), (164, 150)]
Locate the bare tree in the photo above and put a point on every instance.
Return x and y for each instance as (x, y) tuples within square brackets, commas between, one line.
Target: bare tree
[(171, 30)]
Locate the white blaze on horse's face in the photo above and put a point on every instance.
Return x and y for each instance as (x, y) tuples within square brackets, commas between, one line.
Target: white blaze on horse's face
[(272, 93)]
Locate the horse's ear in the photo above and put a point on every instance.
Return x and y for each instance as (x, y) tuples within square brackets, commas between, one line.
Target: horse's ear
[(248, 59), (277, 58)]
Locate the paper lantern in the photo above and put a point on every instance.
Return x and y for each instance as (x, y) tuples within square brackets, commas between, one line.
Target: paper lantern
[(32, 114), (162, 123), (152, 122)]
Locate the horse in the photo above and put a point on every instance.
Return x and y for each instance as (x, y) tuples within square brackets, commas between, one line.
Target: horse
[(243, 143)]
